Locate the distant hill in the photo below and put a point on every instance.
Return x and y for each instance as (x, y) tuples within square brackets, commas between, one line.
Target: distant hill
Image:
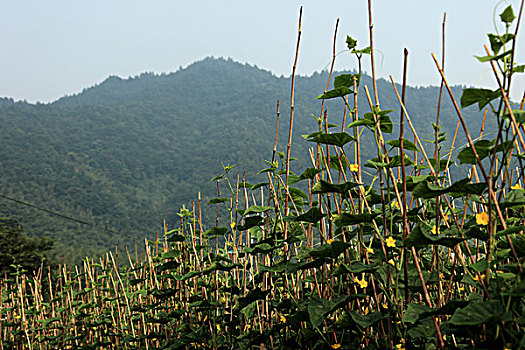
[(127, 153)]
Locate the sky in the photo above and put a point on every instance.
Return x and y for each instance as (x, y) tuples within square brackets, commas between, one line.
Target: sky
[(55, 48)]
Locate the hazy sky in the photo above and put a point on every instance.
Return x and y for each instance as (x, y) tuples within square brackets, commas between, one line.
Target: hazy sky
[(57, 47)]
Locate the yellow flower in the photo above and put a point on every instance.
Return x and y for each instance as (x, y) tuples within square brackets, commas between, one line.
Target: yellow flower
[(477, 278), (516, 187), (385, 306), (219, 327), (354, 167), (390, 242), (391, 262), (232, 225), (394, 204), (336, 346), (435, 230), (370, 250), (247, 327), (400, 347), (362, 283), (282, 318), (330, 241), (482, 219)]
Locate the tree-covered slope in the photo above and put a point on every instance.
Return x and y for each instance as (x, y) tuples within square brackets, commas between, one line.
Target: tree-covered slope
[(127, 153)]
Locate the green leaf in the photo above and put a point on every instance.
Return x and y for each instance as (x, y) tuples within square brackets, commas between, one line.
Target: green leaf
[(356, 267), (414, 312), (319, 309), (263, 248), (483, 148), (281, 267), (351, 43), (417, 312), (385, 122), (218, 200), (519, 69), (218, 177), (519, 115), (507, 16), (260, 184), (347, 219), (427, 190), (328, 250), (509, 231), (421, 236), (395, 161), (480, 96), (366, 321), (335, 165), (176, 238), (326, 187), (313, 216), (338, 139), (497, 41), (336, 92), (480, 266), (367, 50), (360, 122), (407, 145), (216, 231), (513, 199), (249, 311), (251, 297), (256, 209), (493, 58), (478, 313), (250, 222), (345, 80), (309, 173)]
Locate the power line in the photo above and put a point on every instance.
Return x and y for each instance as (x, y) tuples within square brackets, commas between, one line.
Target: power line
[(65, 216)]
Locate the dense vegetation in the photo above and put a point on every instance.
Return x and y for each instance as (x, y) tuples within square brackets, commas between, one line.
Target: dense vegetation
[(370, 244), (126, 154)]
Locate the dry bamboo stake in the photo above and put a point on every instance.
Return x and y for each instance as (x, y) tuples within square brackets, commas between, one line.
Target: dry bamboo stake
[(331, 66), (514, 45), (291, 127), (507, 103), (437, 163), (276, 133), (403, 174), (370, 25), (418, 142), (451, 149), (486, 177)]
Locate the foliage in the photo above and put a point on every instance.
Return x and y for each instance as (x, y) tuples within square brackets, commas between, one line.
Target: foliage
[(125, 154), (323, 260), (18, 251)]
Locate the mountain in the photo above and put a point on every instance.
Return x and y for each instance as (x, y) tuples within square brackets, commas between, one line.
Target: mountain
[(128, 153)]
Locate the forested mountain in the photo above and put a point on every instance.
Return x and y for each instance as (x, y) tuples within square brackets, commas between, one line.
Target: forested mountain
[(127, 153)]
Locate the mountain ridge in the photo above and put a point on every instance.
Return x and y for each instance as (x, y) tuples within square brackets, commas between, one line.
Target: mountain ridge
[(128, 153)]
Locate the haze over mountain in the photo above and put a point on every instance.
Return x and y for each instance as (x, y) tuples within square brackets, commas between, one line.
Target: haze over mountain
[(128, 153)]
